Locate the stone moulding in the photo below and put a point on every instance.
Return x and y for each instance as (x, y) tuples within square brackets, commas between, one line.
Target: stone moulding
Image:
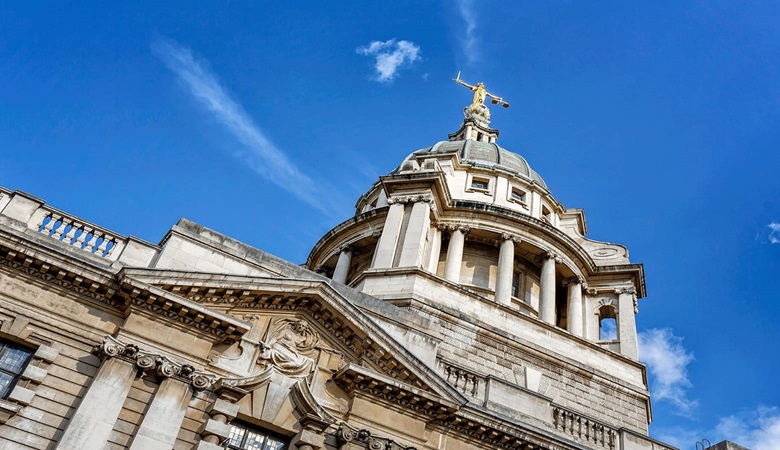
[(357, 378), (146, 361), (121, 292)]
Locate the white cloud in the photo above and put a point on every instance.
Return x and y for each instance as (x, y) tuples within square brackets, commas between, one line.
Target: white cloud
[(774, 232), (468, 39), (390, 56), (667, 361), (757, 430), (257, 151)]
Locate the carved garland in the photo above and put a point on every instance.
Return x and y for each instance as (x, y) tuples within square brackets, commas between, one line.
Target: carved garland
[(144, 361)]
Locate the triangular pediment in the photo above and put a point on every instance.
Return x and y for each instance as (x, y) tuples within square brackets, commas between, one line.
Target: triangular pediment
[(339, 323)]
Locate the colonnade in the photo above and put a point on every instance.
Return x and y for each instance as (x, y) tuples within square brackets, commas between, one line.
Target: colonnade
[(403, 241)]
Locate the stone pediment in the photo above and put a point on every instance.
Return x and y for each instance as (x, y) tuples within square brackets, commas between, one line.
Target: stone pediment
[(341, 326)]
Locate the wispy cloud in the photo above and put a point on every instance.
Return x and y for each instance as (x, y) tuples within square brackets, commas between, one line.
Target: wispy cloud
[(468, 39), (774, 232), (667, 361), (256, 151), (390, 56), (758, 429)]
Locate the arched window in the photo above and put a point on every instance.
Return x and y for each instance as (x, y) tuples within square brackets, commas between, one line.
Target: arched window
[(607, 321)]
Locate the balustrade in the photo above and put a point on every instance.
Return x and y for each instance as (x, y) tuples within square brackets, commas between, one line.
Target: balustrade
[(77, 233)]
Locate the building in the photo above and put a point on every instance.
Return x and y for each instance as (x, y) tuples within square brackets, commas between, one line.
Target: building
[(462, 307)]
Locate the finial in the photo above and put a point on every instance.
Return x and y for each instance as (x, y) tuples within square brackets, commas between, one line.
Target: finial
[(477, 106)]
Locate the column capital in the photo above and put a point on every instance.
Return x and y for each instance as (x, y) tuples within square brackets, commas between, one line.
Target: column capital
[(510, 237), (347, 248), (548, 254), (575, 280), (456, 227), (145, 361), (625, 290), (403, 199)]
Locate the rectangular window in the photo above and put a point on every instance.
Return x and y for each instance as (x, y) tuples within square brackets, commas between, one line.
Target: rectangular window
[(516, 277), (479, 183), (13, 360), (244, 437), (517, 195)]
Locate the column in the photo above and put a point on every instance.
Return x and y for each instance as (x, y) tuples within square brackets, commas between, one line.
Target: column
[(506, 269), (385, 250), (91, 425), (547, 288), (341, 271), (164, 417), (455, 253), (574, 306), (433, 261), (626, 322), (416, 232)]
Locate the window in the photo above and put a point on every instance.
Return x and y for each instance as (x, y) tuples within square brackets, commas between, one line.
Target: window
[(243, 437), (516, 284), (480, 184), (517, 196), (13, 360)]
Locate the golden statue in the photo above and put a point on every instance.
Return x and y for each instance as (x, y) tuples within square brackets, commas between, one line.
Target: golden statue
[(480, 94)]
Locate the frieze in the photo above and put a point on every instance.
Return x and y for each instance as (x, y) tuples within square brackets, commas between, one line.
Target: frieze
[(146, 362)]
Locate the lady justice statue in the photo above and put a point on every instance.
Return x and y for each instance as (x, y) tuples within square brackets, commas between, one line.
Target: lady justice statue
[(477, 106)]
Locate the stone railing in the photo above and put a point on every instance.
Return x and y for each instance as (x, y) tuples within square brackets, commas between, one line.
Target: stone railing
[(585, 429), (60, 226), (463, 380)]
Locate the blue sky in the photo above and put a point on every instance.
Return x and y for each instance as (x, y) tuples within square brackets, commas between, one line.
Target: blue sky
[(266, 121)]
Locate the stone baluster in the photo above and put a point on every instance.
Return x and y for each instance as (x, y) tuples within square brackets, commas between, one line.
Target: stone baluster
[(506, 269), (49, 227), (574, 306), (455, 253), (547, 288), (72, 233), (85, 230), (341, 271)]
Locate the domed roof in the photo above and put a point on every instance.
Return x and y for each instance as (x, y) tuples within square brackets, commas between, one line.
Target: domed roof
[(483, 154)]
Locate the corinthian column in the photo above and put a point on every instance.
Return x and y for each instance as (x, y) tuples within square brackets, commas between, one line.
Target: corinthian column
[(96, 415), (574, 307), (455, 253), (506, 269), (547, 294)]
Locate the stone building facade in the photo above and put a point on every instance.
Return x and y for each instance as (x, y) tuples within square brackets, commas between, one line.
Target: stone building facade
[(462, 307)]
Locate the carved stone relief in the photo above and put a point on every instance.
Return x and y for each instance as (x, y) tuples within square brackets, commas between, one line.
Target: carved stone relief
[(288, 348)]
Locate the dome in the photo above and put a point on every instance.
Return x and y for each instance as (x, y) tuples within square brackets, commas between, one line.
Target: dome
[(483, 154)]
